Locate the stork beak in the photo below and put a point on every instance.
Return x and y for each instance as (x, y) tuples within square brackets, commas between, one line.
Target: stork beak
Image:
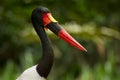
[(50, 23)]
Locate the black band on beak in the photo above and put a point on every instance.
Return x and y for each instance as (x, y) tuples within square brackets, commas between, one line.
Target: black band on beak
[(54, 27)]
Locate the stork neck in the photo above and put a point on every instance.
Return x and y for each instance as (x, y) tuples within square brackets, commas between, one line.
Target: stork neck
[(46, 61)]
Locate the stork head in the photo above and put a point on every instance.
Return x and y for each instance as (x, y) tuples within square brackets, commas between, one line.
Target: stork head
[(42, 17)]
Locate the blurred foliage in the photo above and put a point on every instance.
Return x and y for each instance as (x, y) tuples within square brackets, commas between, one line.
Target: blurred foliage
[(94, 23)]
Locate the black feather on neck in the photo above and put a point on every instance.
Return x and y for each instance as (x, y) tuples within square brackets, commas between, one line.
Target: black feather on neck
[(46, 62)]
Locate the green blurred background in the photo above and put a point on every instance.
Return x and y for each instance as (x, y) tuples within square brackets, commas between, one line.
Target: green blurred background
[(94, 23)]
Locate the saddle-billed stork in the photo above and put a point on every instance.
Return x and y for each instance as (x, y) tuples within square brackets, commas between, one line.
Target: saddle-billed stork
[(42, 18)]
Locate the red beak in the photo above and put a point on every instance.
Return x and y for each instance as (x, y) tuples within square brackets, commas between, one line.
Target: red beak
[(69, 39), (53, 25)]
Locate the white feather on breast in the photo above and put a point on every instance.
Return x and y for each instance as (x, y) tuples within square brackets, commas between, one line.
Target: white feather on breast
[(30, 74)]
